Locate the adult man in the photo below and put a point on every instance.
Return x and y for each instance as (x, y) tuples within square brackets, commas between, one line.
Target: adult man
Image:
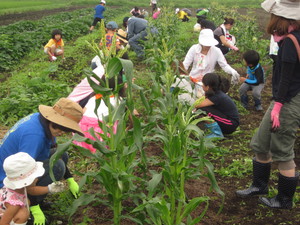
[(136, 31), (99, 9)]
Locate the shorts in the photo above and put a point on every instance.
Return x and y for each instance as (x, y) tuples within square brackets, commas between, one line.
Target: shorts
[(281, 142), (56, 51), (96, 20)]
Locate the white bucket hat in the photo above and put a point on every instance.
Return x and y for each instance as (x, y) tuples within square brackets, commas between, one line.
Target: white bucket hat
[(206, 38), (21, 170), (286, 8)]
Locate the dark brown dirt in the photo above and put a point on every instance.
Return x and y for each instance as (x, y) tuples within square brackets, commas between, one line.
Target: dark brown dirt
[(236, 211), (36, 15)]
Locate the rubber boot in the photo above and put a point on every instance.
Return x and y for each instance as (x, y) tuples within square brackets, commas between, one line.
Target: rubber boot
[(257, 104), (259, 186), (286, 190), (215, 129), (244, 100)]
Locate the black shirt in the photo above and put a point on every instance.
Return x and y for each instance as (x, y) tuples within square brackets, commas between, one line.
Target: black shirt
[(286, 79)]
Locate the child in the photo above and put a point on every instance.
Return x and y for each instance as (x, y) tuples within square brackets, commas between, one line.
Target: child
[(219, 106), (55, 46), (99, 10), (21, 176), (111, 29), (254, 80)]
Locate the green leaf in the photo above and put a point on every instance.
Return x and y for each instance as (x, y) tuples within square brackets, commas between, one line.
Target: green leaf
[(152, 184), (84, 199), (114, 67), (61, 148)]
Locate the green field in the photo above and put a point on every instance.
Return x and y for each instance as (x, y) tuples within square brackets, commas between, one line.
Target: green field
[(16, 6)]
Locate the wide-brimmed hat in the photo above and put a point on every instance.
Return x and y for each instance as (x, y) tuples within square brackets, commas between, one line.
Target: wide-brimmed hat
[(206, 38), (65, 112), (121, 34), (21, 170), (285, 8)]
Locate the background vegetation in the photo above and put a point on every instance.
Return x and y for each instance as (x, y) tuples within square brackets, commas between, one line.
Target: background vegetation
[(16, 6)]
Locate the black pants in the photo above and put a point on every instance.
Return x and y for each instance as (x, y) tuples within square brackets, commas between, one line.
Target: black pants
[(226, 124)]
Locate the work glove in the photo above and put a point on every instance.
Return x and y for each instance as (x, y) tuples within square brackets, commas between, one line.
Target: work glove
[(235, 77), (275, 115), (234, 48), (74, 188), (56, 187), (53, 58), (38, 215)]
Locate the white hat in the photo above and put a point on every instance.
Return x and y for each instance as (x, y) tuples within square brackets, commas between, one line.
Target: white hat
[(206, 38), (103, 1), (21, 170), (177, 10), (289, 9)]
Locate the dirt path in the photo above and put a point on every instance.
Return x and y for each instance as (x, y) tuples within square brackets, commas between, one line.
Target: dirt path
[(36, 15)]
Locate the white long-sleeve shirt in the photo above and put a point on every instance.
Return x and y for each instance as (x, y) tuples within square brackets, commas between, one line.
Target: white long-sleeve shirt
[(203, 64)]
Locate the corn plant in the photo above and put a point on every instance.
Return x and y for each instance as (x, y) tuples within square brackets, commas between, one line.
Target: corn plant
[(116, 153), (176, 128)]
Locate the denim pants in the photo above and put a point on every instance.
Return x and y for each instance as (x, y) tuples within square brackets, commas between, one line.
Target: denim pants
[(59, 170), (135, 44)]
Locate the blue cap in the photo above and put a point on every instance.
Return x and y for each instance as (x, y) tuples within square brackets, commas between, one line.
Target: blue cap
[(112, 25)]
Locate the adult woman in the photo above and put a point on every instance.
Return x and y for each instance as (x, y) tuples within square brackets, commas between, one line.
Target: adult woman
[(275, 138), (35, 135), (204, 57), (226, 40), (135, 11)]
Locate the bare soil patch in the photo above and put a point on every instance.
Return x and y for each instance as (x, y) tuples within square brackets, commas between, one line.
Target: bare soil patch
[(35, 15)]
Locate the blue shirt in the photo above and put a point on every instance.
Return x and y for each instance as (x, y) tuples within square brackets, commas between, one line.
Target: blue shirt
[(99, 9), (27, 135)]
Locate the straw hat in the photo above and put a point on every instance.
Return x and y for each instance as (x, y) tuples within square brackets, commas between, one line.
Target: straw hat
[(21, 170), (286, 8), (65, 112), (206, 38), (122, 35)]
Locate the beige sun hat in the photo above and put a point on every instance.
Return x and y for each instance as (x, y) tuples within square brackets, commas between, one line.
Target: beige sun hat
[(289, 9), (121, 34), (21, 170), (206, 38), (65, 112)]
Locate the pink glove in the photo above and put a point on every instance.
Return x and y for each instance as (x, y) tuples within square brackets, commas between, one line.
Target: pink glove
[(234, 48), (275, 115)]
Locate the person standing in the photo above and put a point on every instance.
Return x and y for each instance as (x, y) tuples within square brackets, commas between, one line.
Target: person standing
[(274, 141), (36, 135), (99, 9)]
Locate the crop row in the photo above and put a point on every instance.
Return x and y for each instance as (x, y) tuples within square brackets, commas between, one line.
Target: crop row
[(19, 39)]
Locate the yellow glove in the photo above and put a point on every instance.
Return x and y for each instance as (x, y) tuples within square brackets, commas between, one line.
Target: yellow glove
[(74, 188)]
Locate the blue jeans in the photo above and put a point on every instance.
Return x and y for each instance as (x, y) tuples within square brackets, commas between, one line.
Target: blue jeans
[(135, 44), (59, 170)]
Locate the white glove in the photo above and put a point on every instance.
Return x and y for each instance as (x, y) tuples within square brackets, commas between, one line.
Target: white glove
[(235, 77), (56, 187), (54, 58)]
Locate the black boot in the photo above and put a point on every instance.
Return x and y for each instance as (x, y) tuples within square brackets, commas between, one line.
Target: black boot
[(261, 174), (286, 190)]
